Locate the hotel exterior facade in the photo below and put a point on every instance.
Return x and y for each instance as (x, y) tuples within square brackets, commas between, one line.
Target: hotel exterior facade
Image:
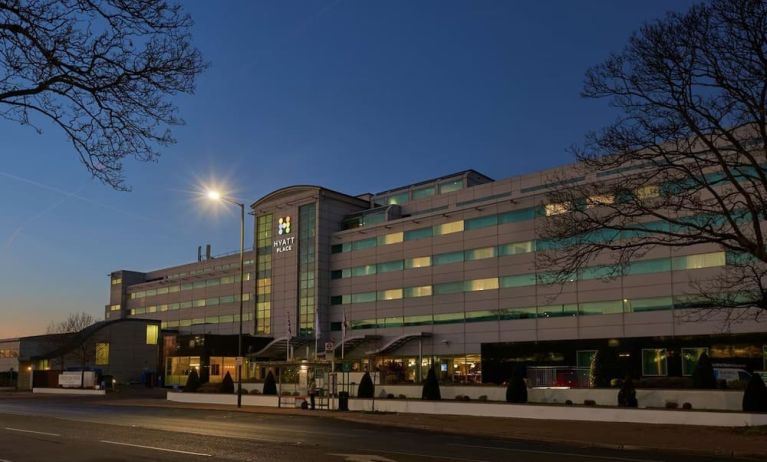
[(446, 273)]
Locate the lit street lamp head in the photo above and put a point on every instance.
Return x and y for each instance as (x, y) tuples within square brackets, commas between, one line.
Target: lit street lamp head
[(214, 195)]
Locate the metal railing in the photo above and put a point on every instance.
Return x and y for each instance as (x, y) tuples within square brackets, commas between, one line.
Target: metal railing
[(558, 376)]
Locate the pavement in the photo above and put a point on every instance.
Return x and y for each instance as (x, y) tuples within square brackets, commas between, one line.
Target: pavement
[(616, 438)]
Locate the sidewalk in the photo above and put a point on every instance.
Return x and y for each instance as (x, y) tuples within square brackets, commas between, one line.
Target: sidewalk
[(750, 443)]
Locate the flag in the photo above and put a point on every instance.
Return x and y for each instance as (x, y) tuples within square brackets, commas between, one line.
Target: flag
[(290, 333), (343, 327), (316, 324)]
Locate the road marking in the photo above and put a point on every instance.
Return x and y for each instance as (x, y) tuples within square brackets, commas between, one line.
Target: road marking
[(568, 454), (430, 456), (156, 448), (362, 458), (31, 431)]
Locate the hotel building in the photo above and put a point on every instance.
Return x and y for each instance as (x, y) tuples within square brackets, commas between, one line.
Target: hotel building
[(443, 272)]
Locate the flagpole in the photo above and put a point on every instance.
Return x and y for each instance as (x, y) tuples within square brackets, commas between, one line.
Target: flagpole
[(316, 332)]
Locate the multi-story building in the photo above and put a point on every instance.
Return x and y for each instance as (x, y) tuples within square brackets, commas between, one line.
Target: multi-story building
[(445, 271)]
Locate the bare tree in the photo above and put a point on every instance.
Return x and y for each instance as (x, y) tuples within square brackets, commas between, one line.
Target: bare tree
[(74, 322), (100, 70), (684, 163)]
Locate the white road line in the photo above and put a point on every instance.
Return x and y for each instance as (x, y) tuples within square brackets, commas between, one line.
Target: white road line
[(31, 431), (431, 456), (156, 448), (568, 454)]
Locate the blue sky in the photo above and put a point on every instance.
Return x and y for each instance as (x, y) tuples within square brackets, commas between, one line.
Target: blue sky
[(357, 96)]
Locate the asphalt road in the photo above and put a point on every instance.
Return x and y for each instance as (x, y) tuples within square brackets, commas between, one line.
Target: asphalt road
[(79, 429)]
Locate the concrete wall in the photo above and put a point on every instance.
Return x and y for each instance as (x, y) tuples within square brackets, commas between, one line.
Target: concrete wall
[(520, 411), (591, 414)]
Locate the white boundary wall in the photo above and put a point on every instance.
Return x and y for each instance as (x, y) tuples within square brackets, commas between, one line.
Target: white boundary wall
[(69, 391), (591, 414), (519, 411)]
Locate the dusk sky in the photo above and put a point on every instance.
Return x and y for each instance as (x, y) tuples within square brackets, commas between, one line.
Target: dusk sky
[(356, 96)]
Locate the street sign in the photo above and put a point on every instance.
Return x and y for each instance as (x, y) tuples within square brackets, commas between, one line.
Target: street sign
[(329, 347), (238, 361)]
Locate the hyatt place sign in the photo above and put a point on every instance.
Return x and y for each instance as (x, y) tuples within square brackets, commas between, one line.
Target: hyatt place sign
[(283, 244)]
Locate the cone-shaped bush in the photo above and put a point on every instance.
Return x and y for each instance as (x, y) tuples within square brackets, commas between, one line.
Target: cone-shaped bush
[(604, 367), (431, 387), (703, 375), (227, 385), (192, 382), (516, 391), (366, 388), (270, 387), (755, 396), (627, 396)]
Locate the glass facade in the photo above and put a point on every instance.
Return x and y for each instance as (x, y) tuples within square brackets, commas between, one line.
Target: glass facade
[(307, 259), (263, 316)]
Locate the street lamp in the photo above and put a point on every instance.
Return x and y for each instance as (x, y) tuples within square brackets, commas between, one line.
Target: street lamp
[(216, 196)]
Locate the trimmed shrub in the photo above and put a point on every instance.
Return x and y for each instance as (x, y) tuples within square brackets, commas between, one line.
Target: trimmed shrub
[(227, 385), (430, 389), (367, 388), (270, 387), (589, 402), (687, 406), (703, 375), (401, 397), (516, 391), (245, 391), (390, 396), (605, 367), (672, 405), (192, 382), (458, 397), (755, 396), (482, 398), (627, 396), (568, 402)]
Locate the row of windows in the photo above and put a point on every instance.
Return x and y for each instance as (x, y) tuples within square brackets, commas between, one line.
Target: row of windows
[(689, 262), (116, 281), (545, 311), (209, 269), (422, 192), (196, 303), (438, 230), (481, 253), (8, 353), (201, 284), (224, 319)]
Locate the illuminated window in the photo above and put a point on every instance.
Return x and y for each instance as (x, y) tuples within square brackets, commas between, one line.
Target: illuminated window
[(420, 291), (654, 362), (152, 332), (480, 254), (705, 260), (391, 294), (600, 199), (690, 357), (481, 284), (448, 228), (556, 209), (114, 308), (516, 248), (116, 281), (391, 238), (647, 192), (102, 353), (400, 198), (417, 262)]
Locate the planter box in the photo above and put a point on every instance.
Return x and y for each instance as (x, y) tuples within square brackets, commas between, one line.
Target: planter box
[(69, 391), (219, 398)]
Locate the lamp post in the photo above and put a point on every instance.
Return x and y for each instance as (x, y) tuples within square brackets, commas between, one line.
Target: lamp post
[(216, 196)]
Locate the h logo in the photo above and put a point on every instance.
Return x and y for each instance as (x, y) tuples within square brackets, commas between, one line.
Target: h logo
[(283, 226)]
